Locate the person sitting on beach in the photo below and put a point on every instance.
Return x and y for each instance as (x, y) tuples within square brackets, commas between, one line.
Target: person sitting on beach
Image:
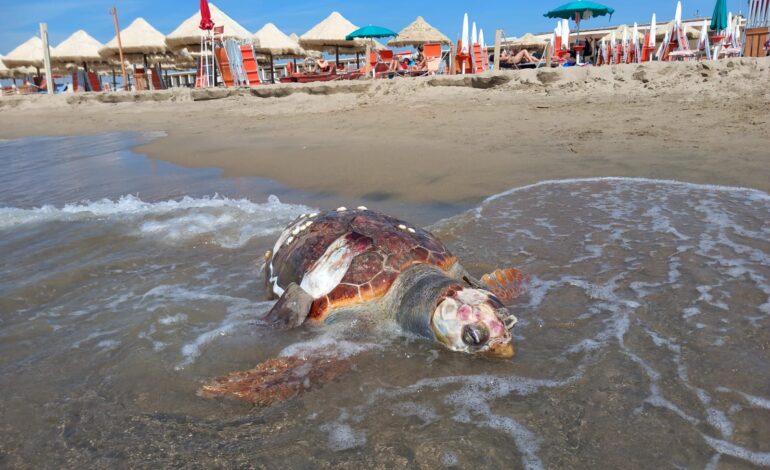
[(322, 66), (420, 63)]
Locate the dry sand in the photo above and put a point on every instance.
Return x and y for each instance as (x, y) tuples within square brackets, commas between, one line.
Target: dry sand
[(448, 139)]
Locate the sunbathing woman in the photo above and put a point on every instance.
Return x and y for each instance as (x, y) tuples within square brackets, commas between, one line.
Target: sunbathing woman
[(322, 66), (521, 56)]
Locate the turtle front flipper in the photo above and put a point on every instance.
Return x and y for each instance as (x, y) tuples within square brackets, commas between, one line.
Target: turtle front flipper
[(292, 308), (276, 379), (506, 284)]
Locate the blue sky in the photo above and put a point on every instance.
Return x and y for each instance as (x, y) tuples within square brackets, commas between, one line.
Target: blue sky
[(515, 17)]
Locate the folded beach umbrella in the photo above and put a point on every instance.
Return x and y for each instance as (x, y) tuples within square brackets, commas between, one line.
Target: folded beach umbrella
[(189, 33), (206, 23), (419, 32), (580, 10), (28, 54), (719, 18)]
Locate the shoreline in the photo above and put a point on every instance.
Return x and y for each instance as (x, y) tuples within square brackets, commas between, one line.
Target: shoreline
[(451, 139)]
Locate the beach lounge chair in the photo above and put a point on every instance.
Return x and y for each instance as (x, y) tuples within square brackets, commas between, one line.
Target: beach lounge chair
[(223, 66), (432, 53), (250, 65), (140, 79), (93, 82), (157, 79)]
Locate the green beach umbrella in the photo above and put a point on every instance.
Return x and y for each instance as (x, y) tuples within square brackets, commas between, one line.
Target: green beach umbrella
[(719, 18), (580, 10), (370, 32)]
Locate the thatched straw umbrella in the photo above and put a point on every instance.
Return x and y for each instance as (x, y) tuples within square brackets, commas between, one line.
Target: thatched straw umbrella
[(689, 31), (330, 34), (79, 48), (29, 54), (418, 33), (527, 41), (14, 72), (271, 40), (188, 34), (5, 72), (139, 39)]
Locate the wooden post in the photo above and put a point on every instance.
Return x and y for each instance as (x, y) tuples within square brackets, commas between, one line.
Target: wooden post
[(548, 55), (367, 62), (452, 59), (46, 58), (498, 41), (120, 50)]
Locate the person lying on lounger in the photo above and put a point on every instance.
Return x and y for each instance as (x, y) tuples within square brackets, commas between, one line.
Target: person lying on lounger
[(523, 56), (322, 65)]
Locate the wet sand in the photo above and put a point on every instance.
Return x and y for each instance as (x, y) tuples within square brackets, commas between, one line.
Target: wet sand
[(451, 139)]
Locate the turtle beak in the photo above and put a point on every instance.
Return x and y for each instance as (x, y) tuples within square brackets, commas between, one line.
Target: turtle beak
[(501, 350)]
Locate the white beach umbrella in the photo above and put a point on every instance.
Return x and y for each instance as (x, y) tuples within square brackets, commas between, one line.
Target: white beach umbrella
[(417, 33), (188, 34), (464, 39), (653, 32), (28, 54), (483, 47), (474, 35), (678, 14), (565, 34)]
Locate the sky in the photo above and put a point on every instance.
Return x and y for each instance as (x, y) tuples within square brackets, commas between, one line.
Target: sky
[(514, 17)]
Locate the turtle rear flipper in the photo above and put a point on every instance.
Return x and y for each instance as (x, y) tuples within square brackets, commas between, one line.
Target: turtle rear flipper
[(292, 308), (276, 379), (506, 284)]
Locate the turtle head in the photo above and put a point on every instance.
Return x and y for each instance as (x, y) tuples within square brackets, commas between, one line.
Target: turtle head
[(474, 321)]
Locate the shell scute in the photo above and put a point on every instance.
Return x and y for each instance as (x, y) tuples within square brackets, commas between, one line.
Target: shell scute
[(371, 273)]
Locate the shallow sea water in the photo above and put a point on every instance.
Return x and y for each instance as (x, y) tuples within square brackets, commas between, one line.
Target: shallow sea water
[(644, 335)]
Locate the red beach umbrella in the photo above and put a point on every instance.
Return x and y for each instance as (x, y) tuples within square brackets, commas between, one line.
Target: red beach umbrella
[(206, 23)]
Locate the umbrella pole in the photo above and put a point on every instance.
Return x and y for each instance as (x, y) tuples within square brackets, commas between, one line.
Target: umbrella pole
[(337, 54), (272, 70), (577, 38), (114, 80), (146, 73)]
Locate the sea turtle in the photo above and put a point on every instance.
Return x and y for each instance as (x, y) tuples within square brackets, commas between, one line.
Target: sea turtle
[(341, 263)]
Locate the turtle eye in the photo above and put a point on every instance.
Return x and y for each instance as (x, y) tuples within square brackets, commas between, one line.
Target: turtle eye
[(476, 334)]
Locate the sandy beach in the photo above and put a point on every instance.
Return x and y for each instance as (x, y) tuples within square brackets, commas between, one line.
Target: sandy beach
[(448, 139), (129, 282)]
